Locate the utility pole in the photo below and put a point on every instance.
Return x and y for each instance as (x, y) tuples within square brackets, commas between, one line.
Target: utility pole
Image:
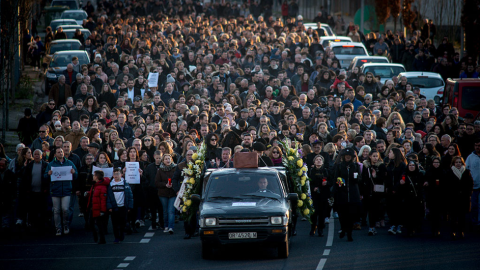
[(362, 17)]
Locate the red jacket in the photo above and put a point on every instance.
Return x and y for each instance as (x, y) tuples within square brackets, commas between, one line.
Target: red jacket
[(97, 198), (284, 9)]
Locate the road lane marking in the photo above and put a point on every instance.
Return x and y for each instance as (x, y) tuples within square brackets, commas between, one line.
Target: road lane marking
[(130, 258), (149, 234), (144, 241), (326, 252), (321, 264), (331, 232), (122, 265)]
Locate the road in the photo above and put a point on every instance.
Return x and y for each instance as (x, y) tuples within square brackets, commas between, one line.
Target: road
[(149, 249)]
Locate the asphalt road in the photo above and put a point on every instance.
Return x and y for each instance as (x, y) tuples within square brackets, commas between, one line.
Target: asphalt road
[(150, 249)]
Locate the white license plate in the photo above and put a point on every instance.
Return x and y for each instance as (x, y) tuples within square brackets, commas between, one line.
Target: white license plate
[(242, 235)]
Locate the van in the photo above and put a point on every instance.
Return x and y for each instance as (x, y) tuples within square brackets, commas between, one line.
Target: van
[(463, 94)]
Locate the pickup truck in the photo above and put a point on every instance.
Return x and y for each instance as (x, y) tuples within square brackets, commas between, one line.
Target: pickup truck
[(248, 206)]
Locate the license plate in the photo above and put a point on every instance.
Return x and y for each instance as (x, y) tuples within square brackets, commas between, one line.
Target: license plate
[(242, 235)]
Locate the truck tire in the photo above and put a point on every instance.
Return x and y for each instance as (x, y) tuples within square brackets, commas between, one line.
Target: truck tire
[(207, 251), (284, 249)]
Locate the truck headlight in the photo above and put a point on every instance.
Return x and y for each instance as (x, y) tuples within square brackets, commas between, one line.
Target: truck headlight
[(210, 222), (276, 220)]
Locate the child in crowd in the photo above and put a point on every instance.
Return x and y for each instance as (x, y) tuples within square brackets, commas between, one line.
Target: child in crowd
[(46, 150), (97, 206), (122, 204)]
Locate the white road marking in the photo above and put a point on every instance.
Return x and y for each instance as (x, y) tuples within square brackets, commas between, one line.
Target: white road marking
[(122, 265), (326, 252), (130, 258), (149, 234), (331, 232), (321, 264), (144, 241)]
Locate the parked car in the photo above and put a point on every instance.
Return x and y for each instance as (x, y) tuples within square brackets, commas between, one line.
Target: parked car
[(233, 211), (59, 22), (463, 94), (69, 26), (347, 51), (386, 71), (428, 82), (77, 15), (324, 26), (326, 41), (359, 61), (58, 64), (64, 45), (72, 4), (71, 32)]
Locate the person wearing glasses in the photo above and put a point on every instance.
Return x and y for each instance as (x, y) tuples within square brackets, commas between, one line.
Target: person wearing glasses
[(61, 91), (42, 137), (213, 150)]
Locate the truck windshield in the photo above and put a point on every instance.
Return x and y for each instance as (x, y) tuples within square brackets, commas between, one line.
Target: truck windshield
[(252, 185), (471, 98)]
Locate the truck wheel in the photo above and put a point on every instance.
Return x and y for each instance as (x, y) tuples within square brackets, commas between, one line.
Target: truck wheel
[(207, 251), (284, 249)]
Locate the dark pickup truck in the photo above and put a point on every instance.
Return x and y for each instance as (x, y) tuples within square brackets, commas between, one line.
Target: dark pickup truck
[(245, 206)]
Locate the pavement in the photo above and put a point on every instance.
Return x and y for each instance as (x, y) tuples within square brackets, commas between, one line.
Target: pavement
[(154, 249)]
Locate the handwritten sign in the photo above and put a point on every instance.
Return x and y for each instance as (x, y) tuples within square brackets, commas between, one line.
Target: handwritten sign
[(152, 79), (61, 173), (132, 175)]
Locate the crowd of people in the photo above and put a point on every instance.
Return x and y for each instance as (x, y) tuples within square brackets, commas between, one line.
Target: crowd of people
[(237, 81)]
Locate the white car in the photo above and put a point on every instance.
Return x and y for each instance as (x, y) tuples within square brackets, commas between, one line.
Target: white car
[(346, 51), (77, 15), (326, 41), (359, 61), (428, 82), (382, 70), (324, 26)]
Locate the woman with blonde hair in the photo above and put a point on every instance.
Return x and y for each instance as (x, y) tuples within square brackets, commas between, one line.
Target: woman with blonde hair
[(391, 123)]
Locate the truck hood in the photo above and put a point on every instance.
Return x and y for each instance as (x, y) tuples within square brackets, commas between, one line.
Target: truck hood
[(244, 208)]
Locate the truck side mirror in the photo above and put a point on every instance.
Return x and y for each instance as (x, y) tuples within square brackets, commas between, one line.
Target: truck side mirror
[(292, 197), (195, 198)]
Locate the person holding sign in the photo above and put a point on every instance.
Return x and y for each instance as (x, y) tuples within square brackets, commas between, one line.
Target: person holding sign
[(61, 188), (103, 161), (136, 181), (166, 193)]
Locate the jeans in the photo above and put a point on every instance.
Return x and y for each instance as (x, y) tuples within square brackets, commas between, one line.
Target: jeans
[(71, 208), (168, 211), (119, 219), (63, 204), (475, 207)]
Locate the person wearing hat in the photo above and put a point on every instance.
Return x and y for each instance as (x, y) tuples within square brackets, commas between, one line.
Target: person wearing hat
[(346, 177), (263, 161), (27, 127), (93, 149), (317, 147)]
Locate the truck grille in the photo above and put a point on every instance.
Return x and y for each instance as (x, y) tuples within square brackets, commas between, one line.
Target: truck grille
[(243, 221)]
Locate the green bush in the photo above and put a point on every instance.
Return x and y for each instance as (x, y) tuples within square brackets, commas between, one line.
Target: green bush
[(25, 88)]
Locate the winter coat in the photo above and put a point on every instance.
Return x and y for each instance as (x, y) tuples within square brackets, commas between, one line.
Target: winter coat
[(164, 173), (60, 188), (459, 191), (394, 175), (74, 137), (317, 175), (435, 191), (349, 192), (407, 60), (98, 196), (368, 181), (37, 143), (128, 196), (371, 88), (421, 63), (26, 178)]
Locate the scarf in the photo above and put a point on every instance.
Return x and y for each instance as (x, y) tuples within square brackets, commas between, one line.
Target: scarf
[(165, 168), (458, 172), (277, 160)]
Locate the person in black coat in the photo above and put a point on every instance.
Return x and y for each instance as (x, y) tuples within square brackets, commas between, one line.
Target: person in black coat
[(213, 151), (435, 178), (459, 185), (374, 174), (320, 184), (85, 182), (395, 169), (263, 161), (152, 193), (347, 175), (410, 192)]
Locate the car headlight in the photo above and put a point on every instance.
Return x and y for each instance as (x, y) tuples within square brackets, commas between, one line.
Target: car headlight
[(276, 220), (51, 75), (210, 222)]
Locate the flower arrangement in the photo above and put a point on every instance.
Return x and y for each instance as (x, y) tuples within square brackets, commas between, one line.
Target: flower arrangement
[(340, 182), (297, 172), (193, 174)]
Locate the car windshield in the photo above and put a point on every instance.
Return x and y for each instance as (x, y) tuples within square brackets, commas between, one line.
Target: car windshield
[(360, 62), (70, 4), (64, 46), (425, 82), (349, 50), (62, 60), (71, 32), (471, 98), (384, 71), (74, 15), (245, 185)]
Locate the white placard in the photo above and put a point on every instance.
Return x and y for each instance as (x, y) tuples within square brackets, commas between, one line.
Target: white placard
[(244, 204), (107, 172), (152, 79), (178, 200), (61, 173), (132, 175)]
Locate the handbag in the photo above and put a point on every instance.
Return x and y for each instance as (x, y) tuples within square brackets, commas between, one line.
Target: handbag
[(376, 188), (245, 160)]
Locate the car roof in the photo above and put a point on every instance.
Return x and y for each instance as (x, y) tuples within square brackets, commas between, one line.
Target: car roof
[(244, 170), (339, 44), (65, 41), (335, 37), (369, 57), (74, 11), (63, 20), (71, 52), (73, 30), (416, 74), (382, 64)]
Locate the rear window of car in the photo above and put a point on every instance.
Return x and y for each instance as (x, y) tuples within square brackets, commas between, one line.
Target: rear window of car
[(384, 72), (349, 50), (471, 98), (62, 60), (59, 47), (425, 82), (74, 15), (360, 62)]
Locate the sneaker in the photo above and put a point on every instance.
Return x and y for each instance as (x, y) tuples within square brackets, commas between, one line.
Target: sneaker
[(80, 215), (377, 224), (165, 230), (327, 220), (170, 231), (137, 223), (59, 232), (392, 230), (399, 229), (66, 230), (142, 223), (372, 232)]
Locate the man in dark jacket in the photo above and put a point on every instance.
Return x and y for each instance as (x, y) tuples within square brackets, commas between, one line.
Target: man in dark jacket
[(263, 161), (408, 58), (233, 138), (421, 62), (152, 197), (27, 128), (407, 112)]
